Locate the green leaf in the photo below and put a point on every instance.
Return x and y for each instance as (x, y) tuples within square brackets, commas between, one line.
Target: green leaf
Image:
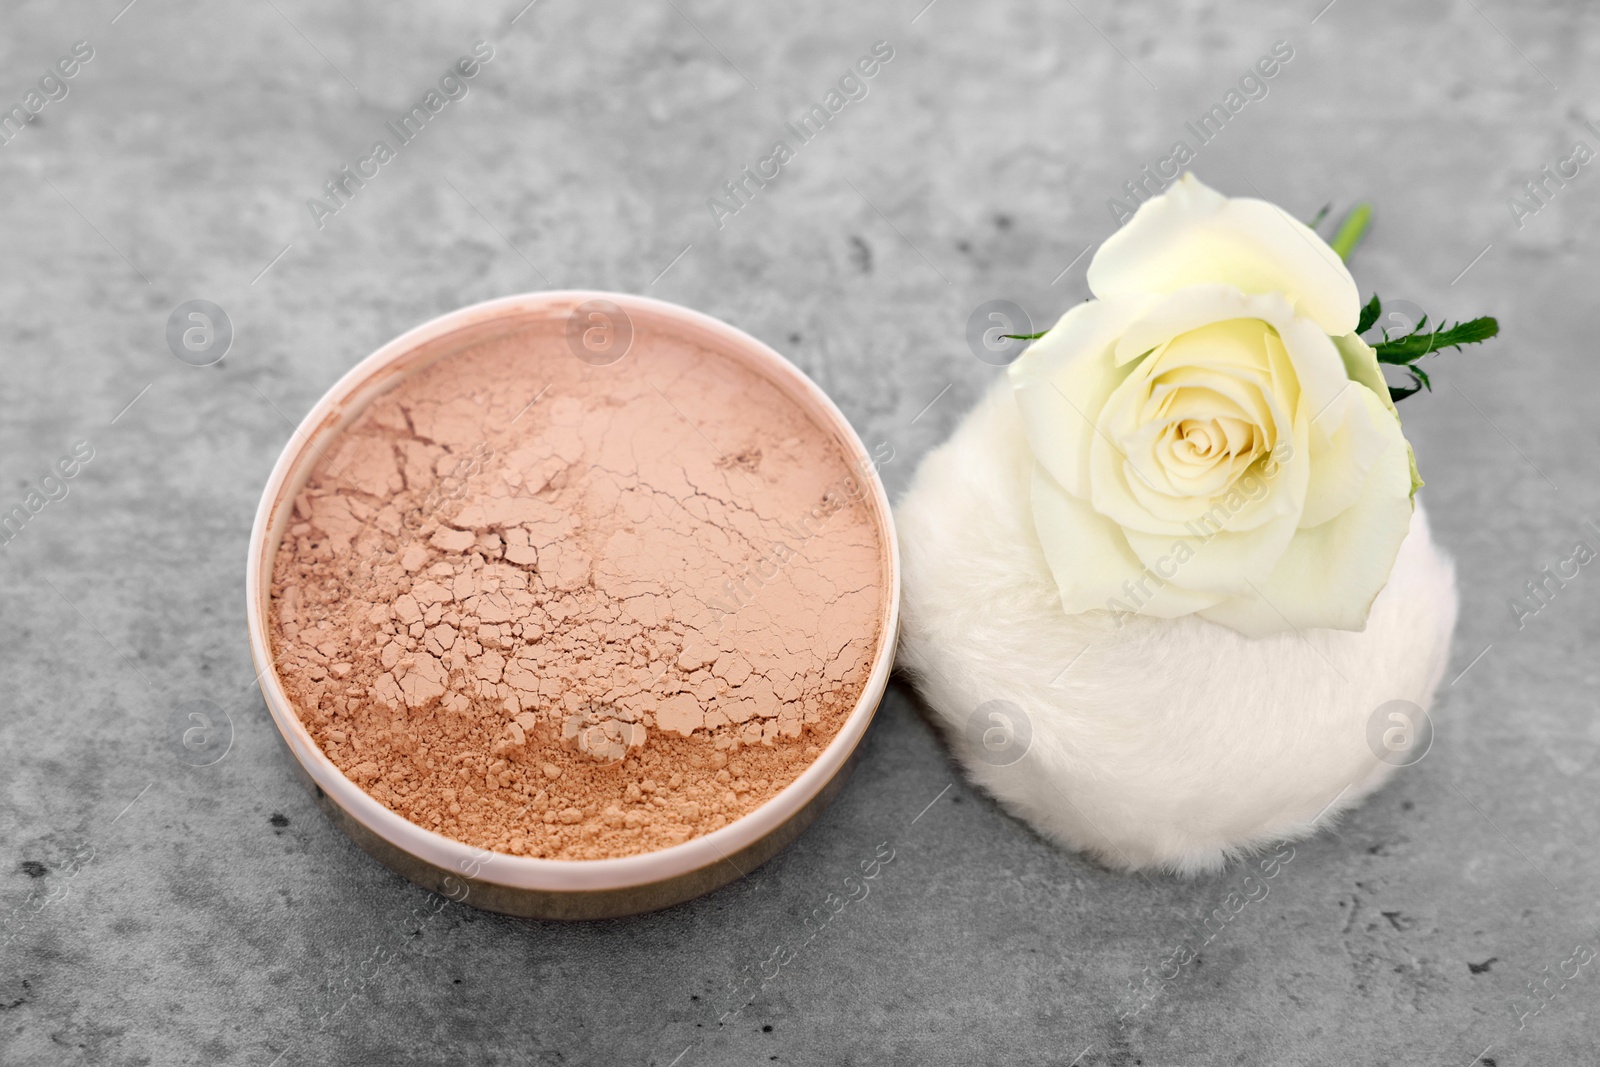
[(1369, 314), (1024, 336), (1419, 379), (1403, 351), (1400, 394), (1320, 215)]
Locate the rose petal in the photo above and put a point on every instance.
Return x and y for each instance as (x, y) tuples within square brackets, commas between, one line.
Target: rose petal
[(1345, 441), (1091, 560), (1126, 486), (1192, 235), (1318, 367), (1330, 574), (1195, 307), (1062, 382)]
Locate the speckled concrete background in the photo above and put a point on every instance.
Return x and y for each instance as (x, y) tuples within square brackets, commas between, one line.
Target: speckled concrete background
[(152, 911)]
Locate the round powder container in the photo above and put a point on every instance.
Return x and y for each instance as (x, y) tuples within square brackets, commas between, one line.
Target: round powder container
[(573, 604)]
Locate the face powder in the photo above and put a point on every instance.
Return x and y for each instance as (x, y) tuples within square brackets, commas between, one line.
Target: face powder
[(571, 611)]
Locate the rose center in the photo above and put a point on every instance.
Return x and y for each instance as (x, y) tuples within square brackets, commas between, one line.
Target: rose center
[(1203, 440)]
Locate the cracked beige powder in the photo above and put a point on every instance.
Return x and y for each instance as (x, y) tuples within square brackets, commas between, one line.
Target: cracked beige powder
[(573, 611)]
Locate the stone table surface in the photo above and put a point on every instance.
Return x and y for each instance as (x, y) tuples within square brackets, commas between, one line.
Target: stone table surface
[(152, 911)]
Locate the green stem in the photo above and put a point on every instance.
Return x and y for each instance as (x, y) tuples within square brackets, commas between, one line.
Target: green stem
[(1351, 230)]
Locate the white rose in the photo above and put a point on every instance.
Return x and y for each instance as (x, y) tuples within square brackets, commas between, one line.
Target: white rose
[(1210, 435)]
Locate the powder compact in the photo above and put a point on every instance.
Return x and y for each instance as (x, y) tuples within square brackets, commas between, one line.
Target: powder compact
[(574, 604)]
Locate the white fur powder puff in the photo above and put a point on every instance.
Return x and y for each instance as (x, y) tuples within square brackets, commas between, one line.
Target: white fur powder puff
[(1151, 743)]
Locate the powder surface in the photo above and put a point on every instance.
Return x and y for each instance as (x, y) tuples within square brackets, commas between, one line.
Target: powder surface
[(573, 611)]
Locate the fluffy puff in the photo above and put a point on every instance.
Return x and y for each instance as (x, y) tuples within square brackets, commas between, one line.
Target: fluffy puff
[(1160, 744)]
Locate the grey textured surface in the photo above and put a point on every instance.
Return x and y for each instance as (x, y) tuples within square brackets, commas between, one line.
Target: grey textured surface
[(155, 912)]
